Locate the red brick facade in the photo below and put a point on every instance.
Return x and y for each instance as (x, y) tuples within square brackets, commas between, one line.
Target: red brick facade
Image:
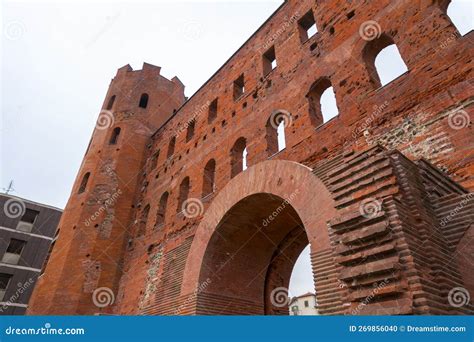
[(166, 222)]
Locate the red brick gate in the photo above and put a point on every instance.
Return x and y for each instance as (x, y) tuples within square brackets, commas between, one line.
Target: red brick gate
[(380, 219), (389, 233)]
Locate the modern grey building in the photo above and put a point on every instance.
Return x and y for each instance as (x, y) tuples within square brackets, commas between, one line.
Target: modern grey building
[(27, 234)]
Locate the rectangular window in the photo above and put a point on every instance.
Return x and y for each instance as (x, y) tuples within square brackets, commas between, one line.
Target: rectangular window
[(4, 282), (13, 253), (27, 220), (190, 132), (306, 304), (239, 87), (307, 26), (212, 111), (269, 61)]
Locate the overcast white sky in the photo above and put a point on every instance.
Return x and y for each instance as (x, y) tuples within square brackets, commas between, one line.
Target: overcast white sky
[(58, 58)]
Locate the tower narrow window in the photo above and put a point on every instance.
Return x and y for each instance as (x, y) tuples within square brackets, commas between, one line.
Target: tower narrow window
[(183, 193), (208, 178), (111, 102), (115, 135), (161, 213), (238, 156), (143, 101), (85, 180)]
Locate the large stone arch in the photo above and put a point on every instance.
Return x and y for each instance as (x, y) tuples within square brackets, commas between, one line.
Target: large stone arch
[(291, 184)]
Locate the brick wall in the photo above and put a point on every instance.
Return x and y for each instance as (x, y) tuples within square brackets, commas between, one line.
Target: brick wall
[(424, 113)]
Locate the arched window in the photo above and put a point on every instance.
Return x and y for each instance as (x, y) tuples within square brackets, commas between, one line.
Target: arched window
[(208, 178), (171, 147), (190, 132), (143, 101), (383, 60), (85, 180), (114, 136), (322, 102), (161, 213), (238, 157), (143, 220), (183, 193), (276, 131), (460, 13), (110, 105)]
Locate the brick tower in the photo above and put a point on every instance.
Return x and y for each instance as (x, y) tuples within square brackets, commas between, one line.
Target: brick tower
[(98, 214)]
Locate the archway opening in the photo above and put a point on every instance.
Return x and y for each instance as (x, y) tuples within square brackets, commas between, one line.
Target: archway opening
[(249, 259), (301, 289)]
